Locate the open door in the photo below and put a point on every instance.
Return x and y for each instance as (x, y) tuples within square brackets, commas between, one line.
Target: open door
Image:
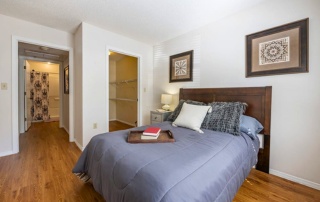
[(27, 97)]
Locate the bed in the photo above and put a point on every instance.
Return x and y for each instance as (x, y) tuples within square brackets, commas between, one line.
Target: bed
[(208, 166)]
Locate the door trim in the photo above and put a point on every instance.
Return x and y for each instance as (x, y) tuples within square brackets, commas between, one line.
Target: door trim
[(15, 91)]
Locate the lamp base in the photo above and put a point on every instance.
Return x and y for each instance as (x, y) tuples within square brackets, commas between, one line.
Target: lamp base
[(166, 107)]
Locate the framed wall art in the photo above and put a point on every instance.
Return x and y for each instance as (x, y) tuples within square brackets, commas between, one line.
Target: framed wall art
[(279, 50), (66, 80), (181, 67)]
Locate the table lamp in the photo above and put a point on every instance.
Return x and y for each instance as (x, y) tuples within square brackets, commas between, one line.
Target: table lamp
[(166, 99)]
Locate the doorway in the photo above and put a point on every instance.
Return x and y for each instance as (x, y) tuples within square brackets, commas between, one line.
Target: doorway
[(18, 80), (41, 95), (123, 91), (42, 89)]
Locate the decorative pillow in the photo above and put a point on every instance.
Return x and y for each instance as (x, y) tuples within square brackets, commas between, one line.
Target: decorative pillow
[(225, 117), (191, 116), (250, 126), (177, 110)]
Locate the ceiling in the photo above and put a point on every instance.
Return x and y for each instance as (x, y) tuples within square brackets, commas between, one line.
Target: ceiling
[(42, 52), (147, 21)]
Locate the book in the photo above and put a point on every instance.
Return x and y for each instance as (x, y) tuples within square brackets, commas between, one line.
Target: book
[(152, 131), (149, 137)]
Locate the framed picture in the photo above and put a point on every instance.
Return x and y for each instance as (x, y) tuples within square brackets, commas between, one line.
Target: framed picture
[(280, 50), (181, 67), (66, 80)]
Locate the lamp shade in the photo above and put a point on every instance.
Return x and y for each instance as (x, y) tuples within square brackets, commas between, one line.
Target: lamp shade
[(166, 99)]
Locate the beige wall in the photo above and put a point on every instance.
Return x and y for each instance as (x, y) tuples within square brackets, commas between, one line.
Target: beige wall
[(126, 70), (119, 71), (112, 91)]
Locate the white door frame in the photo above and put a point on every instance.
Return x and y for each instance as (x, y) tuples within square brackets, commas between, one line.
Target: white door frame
[(21, 93), (15, 85), (139, 58)]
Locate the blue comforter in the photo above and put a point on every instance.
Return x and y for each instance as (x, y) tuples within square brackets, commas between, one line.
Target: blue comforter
[(197, 167)]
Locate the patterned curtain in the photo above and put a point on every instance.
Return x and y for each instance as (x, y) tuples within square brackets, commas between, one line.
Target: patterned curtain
[(40, 95)]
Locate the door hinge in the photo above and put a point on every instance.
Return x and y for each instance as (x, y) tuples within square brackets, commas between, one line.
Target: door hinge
[(25, 119), (25, 93), (24, 67)]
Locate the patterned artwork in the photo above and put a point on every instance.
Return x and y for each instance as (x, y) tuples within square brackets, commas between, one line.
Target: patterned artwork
[(39, 93), (274, 51), (180, 67)]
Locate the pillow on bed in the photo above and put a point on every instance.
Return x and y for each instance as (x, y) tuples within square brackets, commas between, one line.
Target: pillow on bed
[(191, 116), (250, 126), (225, 117), (177, 110)]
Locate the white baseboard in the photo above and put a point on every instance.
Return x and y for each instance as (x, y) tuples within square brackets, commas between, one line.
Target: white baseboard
[(7, 153), (79, 145), (66, 129), (130, 124), (112, 119), (295, 179)]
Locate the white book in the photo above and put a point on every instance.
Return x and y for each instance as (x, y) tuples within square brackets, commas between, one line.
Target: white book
[(148, 137)]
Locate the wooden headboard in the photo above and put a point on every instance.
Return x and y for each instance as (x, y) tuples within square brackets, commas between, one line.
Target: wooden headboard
[(259, 107)]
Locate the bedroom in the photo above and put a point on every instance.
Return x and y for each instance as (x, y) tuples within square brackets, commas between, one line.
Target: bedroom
[(295, 108)]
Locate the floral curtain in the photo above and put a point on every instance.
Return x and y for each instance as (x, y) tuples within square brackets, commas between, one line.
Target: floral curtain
[(40, 95)]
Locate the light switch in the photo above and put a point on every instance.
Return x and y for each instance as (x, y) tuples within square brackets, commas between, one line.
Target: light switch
[(4, 86), (95, 126)]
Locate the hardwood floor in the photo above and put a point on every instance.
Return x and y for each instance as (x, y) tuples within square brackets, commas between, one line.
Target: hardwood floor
[(42, 172), (116, 125), (264, 187), (42, 169)]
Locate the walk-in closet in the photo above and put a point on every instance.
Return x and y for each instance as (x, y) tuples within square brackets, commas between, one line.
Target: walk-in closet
[(123, 91)]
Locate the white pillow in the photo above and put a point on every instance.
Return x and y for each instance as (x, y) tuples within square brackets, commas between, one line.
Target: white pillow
[(191, 116)]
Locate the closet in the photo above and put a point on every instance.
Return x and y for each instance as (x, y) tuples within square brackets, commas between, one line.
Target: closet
[(123, 93)]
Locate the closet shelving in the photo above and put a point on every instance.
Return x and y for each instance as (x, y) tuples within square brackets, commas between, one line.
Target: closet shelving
[(124, 99), (119, 83), (123, 82)]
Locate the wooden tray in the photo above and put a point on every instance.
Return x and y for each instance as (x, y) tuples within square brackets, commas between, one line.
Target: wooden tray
[(165, 136)]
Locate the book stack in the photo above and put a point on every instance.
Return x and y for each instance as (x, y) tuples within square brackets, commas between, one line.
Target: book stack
[(151, 133)]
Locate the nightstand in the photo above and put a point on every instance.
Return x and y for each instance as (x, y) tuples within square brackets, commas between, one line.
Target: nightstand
[(158, 117)]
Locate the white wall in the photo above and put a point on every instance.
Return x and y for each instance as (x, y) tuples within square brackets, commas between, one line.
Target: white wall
[(220, 59), (95, 84), (78, 87), (14, 27), (65, 99)]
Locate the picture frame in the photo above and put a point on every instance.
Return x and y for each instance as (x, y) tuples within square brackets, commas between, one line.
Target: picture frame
[(181, 67), (279, 50), (66, 80)]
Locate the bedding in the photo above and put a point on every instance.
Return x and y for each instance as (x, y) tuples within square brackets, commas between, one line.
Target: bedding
[(250, 126), (208, 166), (225, 117), (177, 110), (191, 116)]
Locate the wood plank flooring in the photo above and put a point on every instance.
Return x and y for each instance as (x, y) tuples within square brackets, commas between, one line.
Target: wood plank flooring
[(42, 169), (117, 125), (42, 172)]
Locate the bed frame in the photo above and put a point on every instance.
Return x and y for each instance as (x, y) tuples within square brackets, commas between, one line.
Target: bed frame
[(259, 107)]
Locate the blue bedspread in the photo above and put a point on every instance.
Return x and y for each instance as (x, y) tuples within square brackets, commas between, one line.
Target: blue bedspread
[(197, 167)]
